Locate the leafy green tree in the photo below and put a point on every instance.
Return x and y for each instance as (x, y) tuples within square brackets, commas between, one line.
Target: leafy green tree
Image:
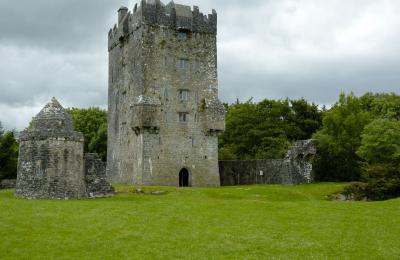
[(226, 153), (240, 120), (380, 142), (266, 129), (380, 150), (8, 155), (98, 144), (339, 139), (382, 105), (306, 117), (92, 122)]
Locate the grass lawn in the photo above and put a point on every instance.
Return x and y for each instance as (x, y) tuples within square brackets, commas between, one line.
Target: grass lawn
[(252, 222)]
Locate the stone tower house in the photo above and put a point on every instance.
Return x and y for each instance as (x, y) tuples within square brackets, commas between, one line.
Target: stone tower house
[(164, 112)]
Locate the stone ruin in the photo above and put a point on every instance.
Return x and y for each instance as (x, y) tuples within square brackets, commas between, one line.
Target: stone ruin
[(164, 117), (7, 184), (295, 168), (52, 164)]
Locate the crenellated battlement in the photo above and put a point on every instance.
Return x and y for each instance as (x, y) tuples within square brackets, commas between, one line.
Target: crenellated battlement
[(155, 13)]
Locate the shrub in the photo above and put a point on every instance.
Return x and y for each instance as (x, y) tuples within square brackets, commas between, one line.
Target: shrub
[(355, 191), (383, 181)]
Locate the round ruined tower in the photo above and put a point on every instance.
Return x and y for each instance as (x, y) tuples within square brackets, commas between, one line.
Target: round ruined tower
[(50, 163)]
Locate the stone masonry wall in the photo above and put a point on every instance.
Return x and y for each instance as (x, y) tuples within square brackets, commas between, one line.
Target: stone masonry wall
[(51, 163), (8, 184), (51, 168), (95, 177), (295, 168), (156, 52), (255, 172)]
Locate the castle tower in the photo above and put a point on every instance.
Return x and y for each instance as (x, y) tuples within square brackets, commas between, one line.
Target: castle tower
[(50, 163), (164, 112)]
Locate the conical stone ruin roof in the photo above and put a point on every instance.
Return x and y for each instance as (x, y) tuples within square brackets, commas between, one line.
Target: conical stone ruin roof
[(52, 117), (52, 121)]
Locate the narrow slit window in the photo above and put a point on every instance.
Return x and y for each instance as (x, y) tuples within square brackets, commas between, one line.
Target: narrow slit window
[(183, 117)]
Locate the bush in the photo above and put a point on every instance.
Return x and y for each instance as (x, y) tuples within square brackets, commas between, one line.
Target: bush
[(382, 182), (356, 191)]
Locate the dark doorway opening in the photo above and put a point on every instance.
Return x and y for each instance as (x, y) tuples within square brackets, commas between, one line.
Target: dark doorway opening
[(184, 178)]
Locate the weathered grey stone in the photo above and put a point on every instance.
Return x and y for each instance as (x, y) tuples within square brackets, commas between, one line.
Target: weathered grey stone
[(51, 162), (162, 70), (295, 168), (95, 177), (8, 184), (300, 157)]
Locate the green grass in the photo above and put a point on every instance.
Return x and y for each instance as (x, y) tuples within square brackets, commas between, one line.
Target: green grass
[(248, 222)]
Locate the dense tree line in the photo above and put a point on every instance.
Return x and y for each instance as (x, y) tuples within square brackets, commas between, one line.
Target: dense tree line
[(265, 130), (359, 141), (8, 154)]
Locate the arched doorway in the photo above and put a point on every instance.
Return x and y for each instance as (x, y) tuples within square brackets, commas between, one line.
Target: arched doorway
[(184, 178)]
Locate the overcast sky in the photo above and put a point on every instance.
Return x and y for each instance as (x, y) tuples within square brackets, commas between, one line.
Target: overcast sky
[(267, 49)]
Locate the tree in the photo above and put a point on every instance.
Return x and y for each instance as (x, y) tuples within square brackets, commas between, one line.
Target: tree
[(8, 156), (380, 142), (266, 129), (339, 140), (98, 144), (306, 117), (382, 105), (92, 122), (380, 150)]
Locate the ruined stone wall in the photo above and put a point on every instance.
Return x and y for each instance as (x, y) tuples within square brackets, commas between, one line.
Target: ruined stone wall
[(8, 184), (95, 177), (51, 164), (254, 172), (51, 168), (295, 168), (151, 62)]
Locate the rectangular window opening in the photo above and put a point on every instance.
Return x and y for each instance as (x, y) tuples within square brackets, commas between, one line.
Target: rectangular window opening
[(183, 95), (182, 35), (183, 63)]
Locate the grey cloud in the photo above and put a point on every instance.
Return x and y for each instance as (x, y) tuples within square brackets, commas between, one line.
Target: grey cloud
[(267, 49), (61, 24), (323, 86)]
